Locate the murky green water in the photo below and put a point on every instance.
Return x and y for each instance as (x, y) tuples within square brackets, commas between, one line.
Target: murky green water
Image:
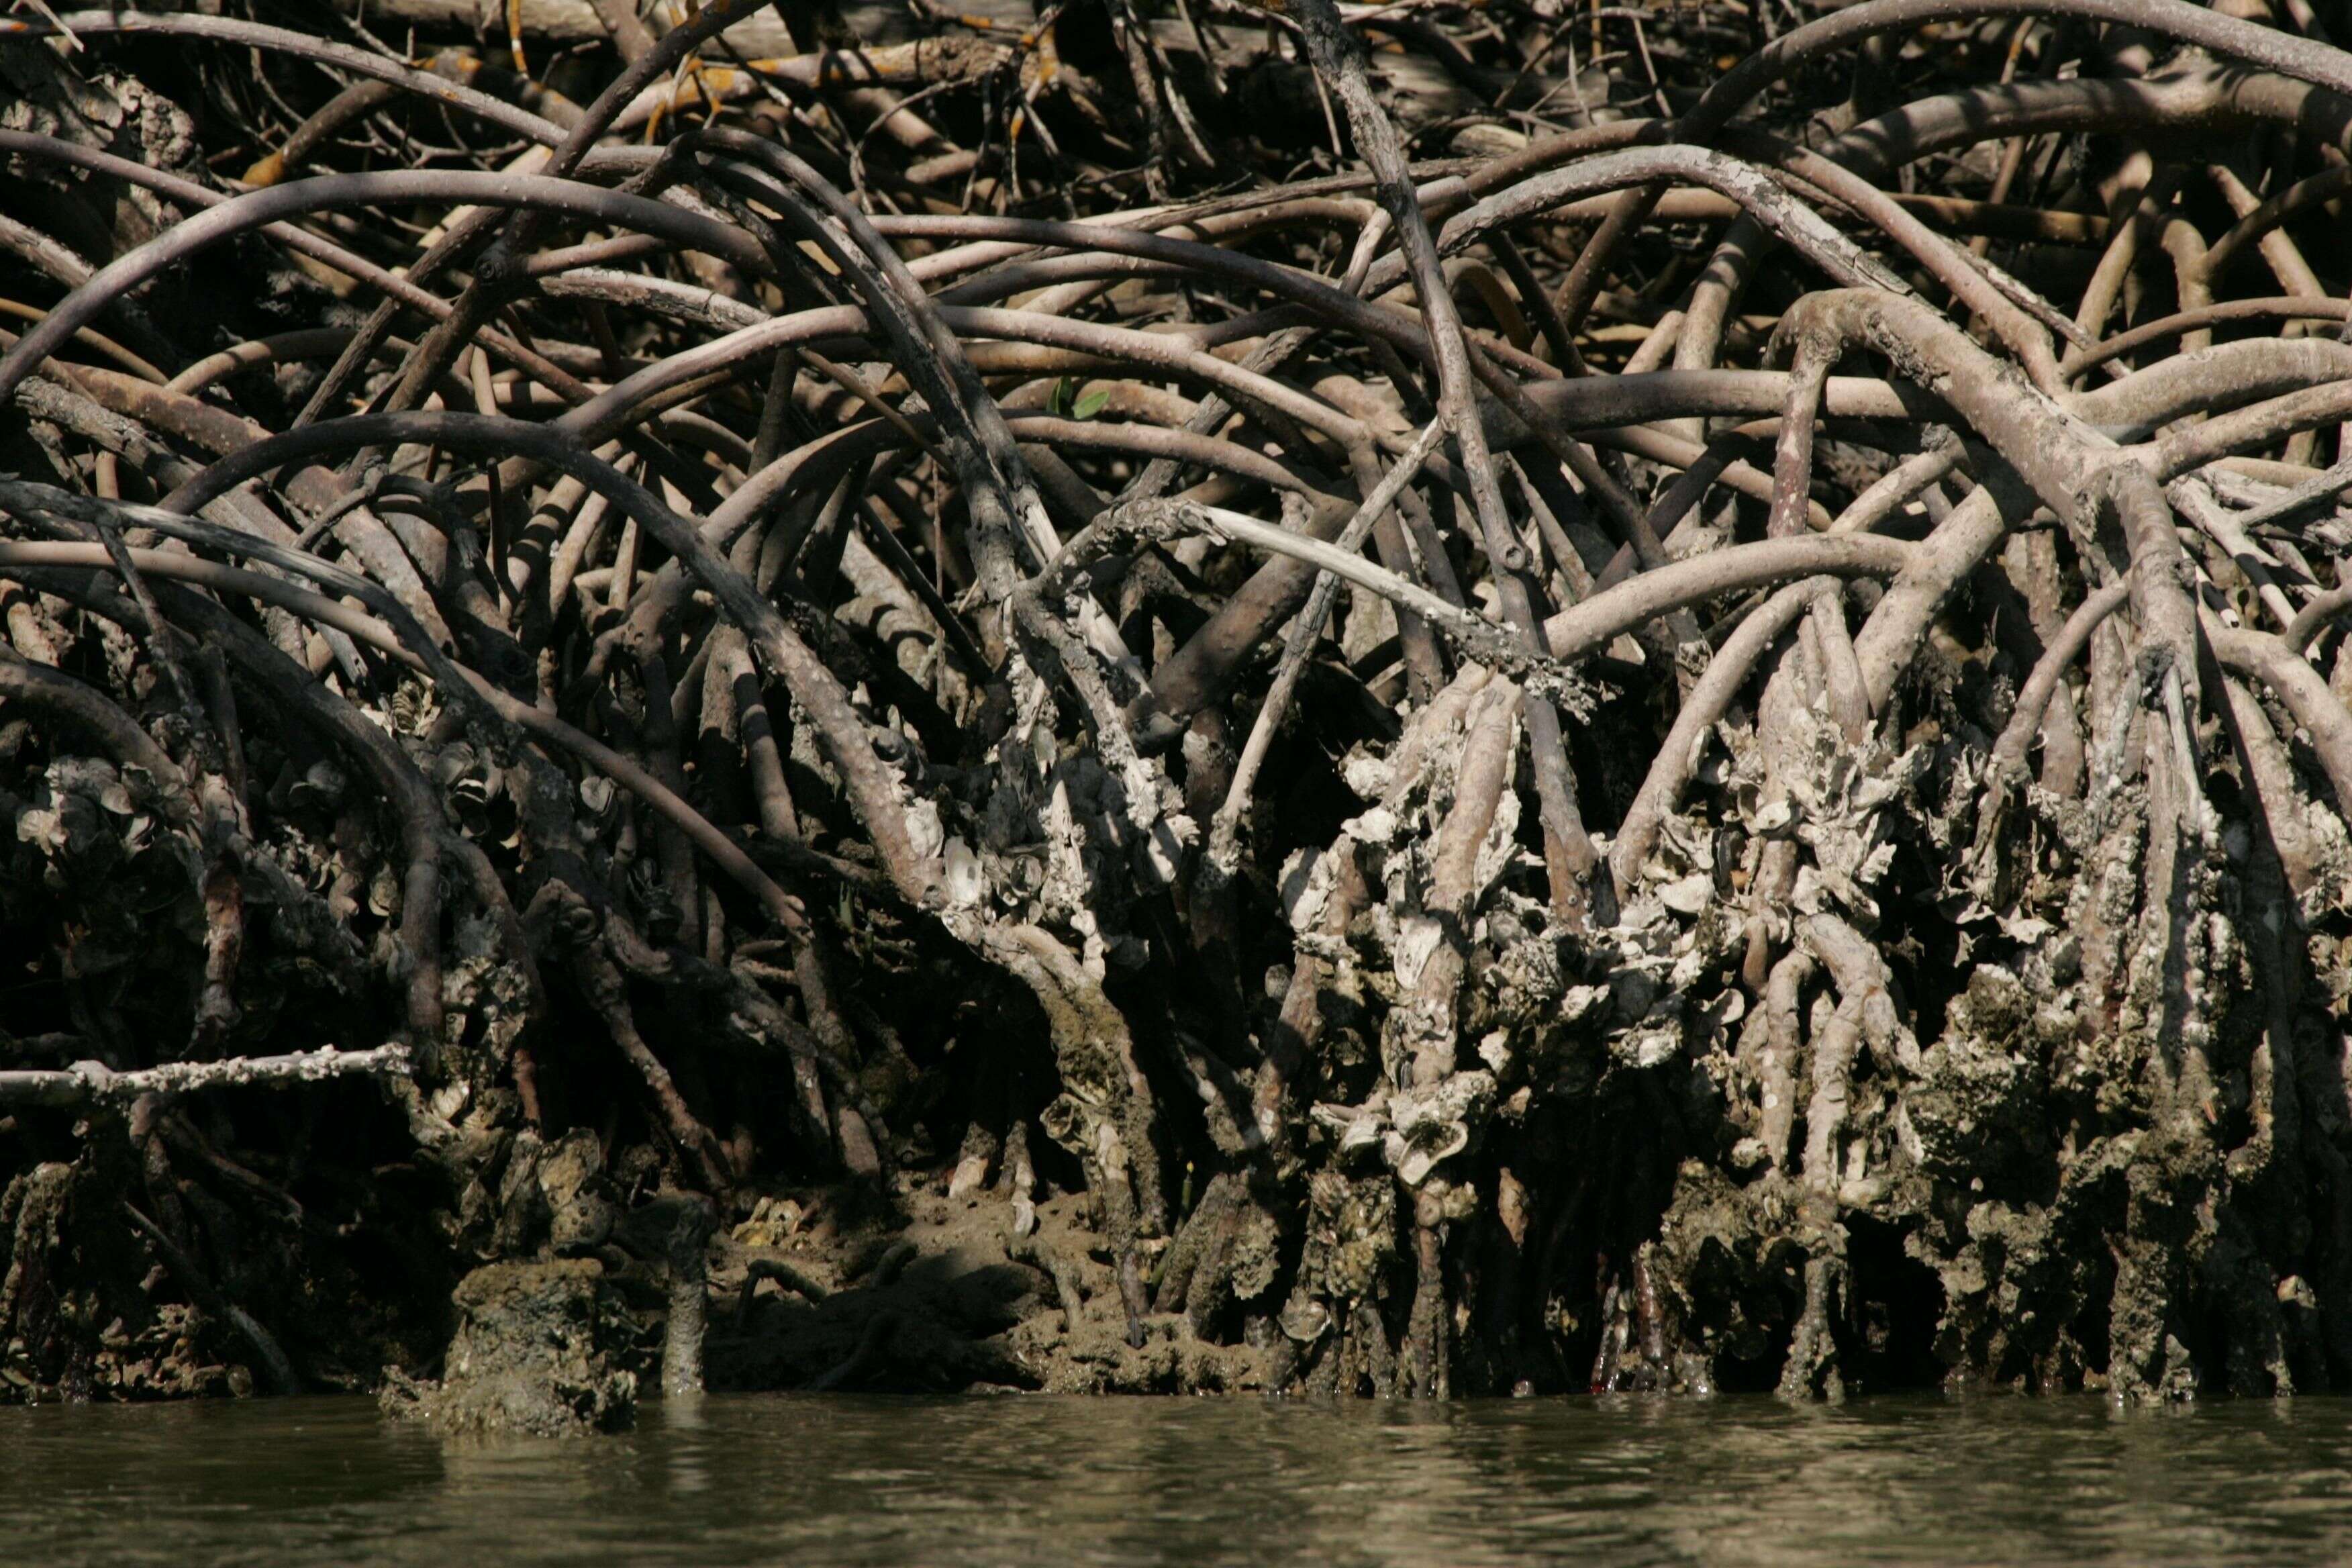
[(812, 1481)]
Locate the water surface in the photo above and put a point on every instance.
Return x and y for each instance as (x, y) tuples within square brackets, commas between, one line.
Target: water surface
[(813, 1482)]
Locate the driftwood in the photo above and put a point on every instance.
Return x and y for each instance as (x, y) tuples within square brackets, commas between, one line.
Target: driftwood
[(86, 1081)]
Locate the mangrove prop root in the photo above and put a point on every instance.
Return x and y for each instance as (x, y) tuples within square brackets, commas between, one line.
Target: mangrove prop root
[(1411, 711)]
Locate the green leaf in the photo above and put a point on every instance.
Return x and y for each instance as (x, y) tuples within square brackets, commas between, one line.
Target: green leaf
[(1087, 407)]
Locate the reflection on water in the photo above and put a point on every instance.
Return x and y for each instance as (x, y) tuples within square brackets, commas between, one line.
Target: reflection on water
[(812, 1481)]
